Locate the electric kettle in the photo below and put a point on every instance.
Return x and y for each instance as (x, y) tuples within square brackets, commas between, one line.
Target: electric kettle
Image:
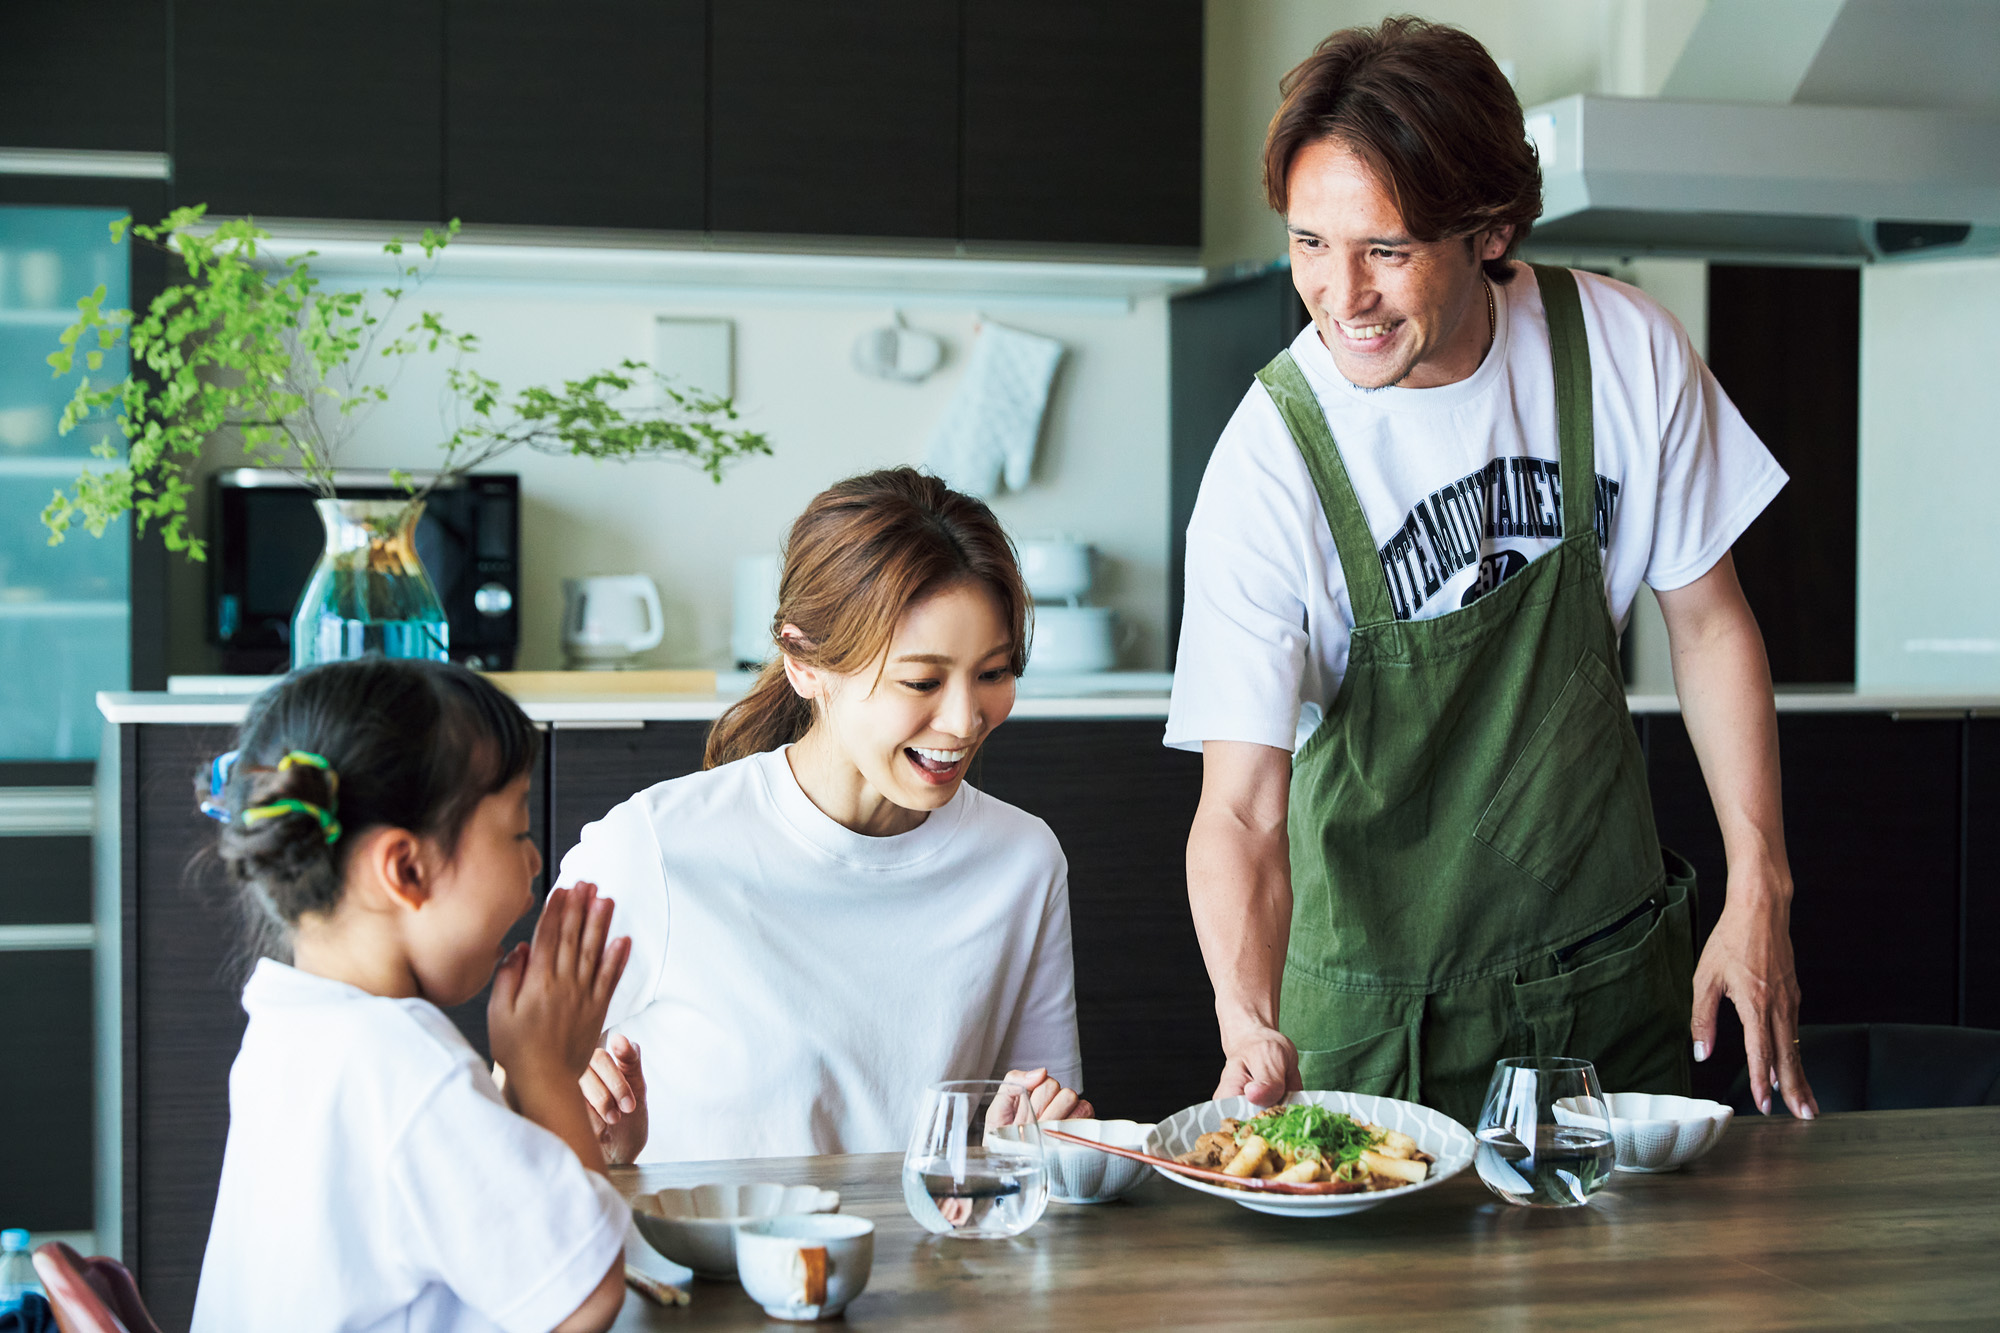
[(610, 619)]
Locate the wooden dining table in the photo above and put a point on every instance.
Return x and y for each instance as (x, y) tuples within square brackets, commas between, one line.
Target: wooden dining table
[(1867, 1219)]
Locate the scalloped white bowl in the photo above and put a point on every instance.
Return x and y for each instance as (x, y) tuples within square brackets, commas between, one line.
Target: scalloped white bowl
[(1084, 1175), (696, 1227), (1436, 1133), (1658, 1132)]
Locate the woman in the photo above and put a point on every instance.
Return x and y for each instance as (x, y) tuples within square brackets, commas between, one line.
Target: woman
[(827, 918)]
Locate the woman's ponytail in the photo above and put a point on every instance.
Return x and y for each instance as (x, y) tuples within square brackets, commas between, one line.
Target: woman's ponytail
[(771, 715)]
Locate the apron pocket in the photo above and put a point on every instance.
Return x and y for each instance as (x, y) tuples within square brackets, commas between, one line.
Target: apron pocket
[(1625, 1010), (1548, 809), (1378, 1064)]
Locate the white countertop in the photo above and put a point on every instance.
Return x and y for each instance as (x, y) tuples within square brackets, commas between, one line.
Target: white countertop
[(1114, 696)]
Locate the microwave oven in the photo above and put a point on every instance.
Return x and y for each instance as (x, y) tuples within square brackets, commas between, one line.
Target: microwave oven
[(266, 537)]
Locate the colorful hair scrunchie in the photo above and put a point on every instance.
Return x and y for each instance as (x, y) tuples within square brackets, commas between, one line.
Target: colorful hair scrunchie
[(257, 814)]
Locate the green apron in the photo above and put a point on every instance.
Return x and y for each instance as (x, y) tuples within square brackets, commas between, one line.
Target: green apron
[(1475, 871)]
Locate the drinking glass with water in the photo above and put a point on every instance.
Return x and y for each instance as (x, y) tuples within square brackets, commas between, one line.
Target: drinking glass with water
[(975, 1167), (1545, 1132)]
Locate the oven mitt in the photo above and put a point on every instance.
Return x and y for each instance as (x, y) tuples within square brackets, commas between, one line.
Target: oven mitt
[(989, 430)]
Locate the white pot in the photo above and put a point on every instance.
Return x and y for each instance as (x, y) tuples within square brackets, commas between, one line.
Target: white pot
[(1073, 638), (1055, 569)]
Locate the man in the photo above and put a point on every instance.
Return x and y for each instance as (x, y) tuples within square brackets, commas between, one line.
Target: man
[(1408, 562)]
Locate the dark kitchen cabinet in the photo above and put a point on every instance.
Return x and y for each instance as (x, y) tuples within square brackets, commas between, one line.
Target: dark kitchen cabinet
[(310, 109), (591, 770), (85, 76), (836, 120), (1083, 122), (1979, 959), (1872, 823), (1121, 804), (45, 1117), (576, 115)]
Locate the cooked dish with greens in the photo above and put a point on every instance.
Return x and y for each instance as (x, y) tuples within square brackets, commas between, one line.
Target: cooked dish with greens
[(1310, 1144)]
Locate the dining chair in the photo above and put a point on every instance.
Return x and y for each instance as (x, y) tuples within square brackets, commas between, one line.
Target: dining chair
[(94, 1295), (1892, 1067)]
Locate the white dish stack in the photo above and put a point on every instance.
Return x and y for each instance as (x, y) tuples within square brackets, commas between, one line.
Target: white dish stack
[(1069, 637)]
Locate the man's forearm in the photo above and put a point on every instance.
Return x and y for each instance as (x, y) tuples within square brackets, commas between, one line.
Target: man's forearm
[(1724, 682), (1240, 891)]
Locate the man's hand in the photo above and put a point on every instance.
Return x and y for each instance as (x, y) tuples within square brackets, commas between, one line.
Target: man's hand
[(1724, 683), (1749, 959), (1260, 1064)]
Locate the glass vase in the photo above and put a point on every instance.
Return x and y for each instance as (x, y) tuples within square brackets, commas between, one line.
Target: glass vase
[(369, 593)]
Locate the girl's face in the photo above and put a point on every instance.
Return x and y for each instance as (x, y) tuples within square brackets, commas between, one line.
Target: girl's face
[(454, 940), (944, 684)]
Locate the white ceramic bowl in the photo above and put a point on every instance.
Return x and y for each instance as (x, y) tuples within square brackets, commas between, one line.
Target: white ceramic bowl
[(1436, 1133), (696, 1227), (1084, 1175), (1658, 1132)]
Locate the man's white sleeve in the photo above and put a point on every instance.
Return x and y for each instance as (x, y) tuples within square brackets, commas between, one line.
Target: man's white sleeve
[(1716, 476)]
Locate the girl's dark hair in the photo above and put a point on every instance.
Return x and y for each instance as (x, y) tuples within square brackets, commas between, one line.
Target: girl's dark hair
[(409, 744), (1426, 108), (864, 551)]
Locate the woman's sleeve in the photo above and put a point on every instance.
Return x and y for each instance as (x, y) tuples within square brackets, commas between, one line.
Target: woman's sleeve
[(620, 854), (1043, 1033)]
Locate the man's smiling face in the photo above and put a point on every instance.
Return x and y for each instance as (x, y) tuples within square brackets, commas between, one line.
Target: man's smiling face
[(1391, 309)]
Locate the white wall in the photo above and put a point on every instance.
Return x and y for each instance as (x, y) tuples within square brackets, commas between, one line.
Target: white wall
[(1101, 475), (1929, 552)]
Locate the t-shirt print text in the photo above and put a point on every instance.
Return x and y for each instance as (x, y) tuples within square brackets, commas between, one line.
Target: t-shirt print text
[(1448, 530)]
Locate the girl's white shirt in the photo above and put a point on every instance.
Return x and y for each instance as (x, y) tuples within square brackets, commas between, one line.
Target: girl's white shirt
[(794, 985), (374, 1179)]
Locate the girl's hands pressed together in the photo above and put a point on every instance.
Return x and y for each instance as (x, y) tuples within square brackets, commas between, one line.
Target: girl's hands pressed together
[(615, 1088), (547, 1009)]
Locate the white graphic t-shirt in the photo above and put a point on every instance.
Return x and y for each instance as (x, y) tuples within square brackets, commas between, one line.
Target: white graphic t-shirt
[(1461, 487)]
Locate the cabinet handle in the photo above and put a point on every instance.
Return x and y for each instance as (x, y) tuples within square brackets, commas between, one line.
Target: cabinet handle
[(27, 812), (28, 939), (1928, 715)]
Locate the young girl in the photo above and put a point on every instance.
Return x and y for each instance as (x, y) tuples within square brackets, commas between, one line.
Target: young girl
[(377, 819), (827, 919)]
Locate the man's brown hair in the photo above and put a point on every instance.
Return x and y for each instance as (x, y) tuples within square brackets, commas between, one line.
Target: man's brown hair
[(1426, 108)]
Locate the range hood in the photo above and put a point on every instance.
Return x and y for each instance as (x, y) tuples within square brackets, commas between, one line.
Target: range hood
[(1632, 176), (1801, 130)]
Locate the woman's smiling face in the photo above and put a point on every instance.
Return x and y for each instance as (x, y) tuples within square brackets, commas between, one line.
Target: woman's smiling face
[(909, 723)]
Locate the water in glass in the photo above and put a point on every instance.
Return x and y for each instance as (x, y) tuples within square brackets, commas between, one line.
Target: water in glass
[(1544, 1133), (975, 1167)]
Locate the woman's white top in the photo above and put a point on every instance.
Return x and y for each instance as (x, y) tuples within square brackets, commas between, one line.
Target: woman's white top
[(1461, 488), (794, 985), (375, 1180)]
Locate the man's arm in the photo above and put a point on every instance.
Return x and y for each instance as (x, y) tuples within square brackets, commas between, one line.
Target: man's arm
[(1240, 888), (1724, 683)]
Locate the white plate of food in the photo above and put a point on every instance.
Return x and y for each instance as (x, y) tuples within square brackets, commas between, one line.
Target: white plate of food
[(1377, 1143)]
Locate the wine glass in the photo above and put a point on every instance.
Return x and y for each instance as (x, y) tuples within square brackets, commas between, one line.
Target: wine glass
[(1545, 1132), (975, 1167)]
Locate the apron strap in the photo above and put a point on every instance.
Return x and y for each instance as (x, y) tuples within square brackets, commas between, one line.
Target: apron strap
[(1367, 582), (1570, 347)]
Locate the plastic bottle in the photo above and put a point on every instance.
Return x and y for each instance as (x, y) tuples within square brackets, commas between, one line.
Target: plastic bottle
[(17, 1270)]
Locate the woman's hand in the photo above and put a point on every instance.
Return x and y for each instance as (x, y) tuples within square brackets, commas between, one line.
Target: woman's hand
[(1048, 1100), (547, 1010), (615, 1088)]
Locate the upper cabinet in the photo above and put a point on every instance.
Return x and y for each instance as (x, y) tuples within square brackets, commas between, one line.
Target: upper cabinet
[(834, 119), (575, 115), (85, 76), (312, 108), (1071, 122), (1083, 122)]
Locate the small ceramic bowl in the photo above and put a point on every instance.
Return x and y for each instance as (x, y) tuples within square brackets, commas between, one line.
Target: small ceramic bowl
[(696, 1228), (806, 1268), (1084, 1175), (1658, 1132)]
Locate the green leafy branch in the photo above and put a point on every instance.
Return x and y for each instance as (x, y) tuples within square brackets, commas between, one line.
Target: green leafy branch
[(240, 345), (266, 351)]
